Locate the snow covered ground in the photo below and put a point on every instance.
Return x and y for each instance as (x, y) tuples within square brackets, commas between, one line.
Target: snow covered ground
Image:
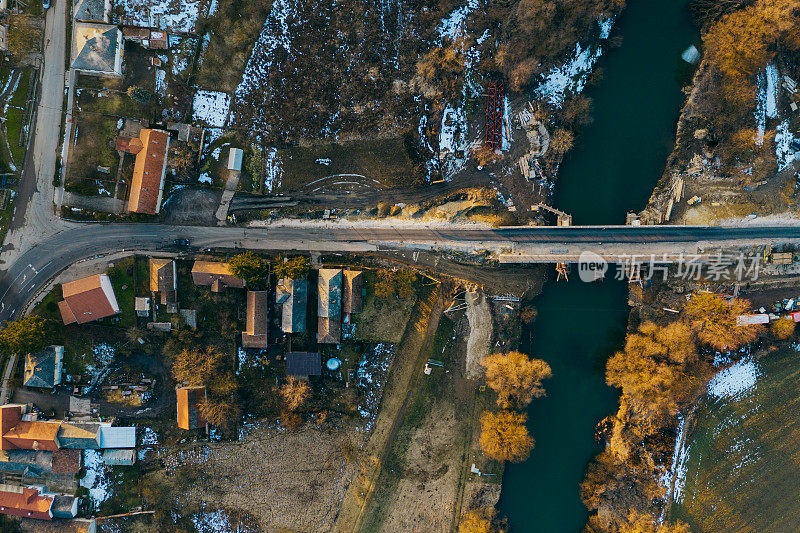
[(571, 77), (211, 107), (275, 34), (176, 15), (95, 479), (274, 171), (371, 377)]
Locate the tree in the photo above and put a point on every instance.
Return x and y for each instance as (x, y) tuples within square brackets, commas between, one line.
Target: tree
[(652, 372), (24, 335), (250, 267), (515, 378), (783, 328), (295, 392), (477, 521), (139, 94), (291, 267), (639, 522), (398, 283), (484, 155), (561, 141), (504, 436), (443, 66), (577, 111), (714, 321), (182, 156), (221, 411)]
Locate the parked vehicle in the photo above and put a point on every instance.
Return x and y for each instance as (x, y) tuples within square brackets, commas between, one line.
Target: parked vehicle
[(181, 242)]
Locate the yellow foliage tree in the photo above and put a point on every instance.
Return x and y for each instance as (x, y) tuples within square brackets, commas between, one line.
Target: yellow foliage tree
[(504, 436), (651, 371), (783, 329), (515, 377), (639, 522), (714, 321), (477, 521), (295, 392)]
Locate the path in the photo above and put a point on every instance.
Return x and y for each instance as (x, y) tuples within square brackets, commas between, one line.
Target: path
[(7, 378), (227, 195)]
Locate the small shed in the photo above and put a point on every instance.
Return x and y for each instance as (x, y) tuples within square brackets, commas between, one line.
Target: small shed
[(303, 364), (119, 457), (142, 306), (235, 158), (43, 369)]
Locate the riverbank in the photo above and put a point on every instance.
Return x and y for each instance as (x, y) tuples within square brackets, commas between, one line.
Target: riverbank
[(734, 158)]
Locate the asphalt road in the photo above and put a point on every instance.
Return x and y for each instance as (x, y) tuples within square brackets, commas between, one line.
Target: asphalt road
[(20, 282)]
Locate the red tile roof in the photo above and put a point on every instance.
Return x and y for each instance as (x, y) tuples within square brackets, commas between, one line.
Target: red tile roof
[(147, 184), (26, 502), (88, 299)]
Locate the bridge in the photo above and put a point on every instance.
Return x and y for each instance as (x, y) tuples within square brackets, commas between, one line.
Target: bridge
[(32, 270)]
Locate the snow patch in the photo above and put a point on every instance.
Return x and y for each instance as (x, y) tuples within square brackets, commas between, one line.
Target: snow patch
[(571, 77), (95, 479), (783, 145), (205, 177), (274, 175), (453, 26), (735, 380), (211, 107)]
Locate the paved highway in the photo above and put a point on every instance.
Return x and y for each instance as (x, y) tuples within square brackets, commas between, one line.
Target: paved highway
[(32, 270)]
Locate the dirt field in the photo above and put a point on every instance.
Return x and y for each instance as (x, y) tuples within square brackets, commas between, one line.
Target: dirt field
[(480, 332), (287, 479)]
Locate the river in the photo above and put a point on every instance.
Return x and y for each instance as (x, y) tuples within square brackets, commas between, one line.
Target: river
[(613, 169)]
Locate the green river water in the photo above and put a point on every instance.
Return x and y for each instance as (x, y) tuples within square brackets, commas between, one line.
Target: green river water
[(613, 169)]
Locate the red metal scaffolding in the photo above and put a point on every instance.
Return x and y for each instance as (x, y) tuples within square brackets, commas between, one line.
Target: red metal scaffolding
[(494, 115)]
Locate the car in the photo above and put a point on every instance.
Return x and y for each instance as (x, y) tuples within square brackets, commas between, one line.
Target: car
[(181, 242), (46, 4)]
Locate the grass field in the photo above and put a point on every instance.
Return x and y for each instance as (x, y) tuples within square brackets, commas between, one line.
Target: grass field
[(744, 455)]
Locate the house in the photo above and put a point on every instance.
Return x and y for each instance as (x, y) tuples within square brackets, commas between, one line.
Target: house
[(215, 275), (235, 158), (26, 502), (257, 324), (88, 299), (142, 306), (43, 369), (352, 287), (97, 49), (164, 280), (189, 414), (19, 430), (92, 10), (329, 305), (149, 171), (292, 296), (302, 364)]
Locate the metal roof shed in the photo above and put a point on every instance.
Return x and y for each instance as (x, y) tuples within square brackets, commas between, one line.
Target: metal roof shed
[(117, 437), (235, 158)]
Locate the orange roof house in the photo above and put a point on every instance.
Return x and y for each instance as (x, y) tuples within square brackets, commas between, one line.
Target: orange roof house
[(147, 185), (255, 336), (189, 414), (26, 502), (88, 299), (215, 275), (16, 433)]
